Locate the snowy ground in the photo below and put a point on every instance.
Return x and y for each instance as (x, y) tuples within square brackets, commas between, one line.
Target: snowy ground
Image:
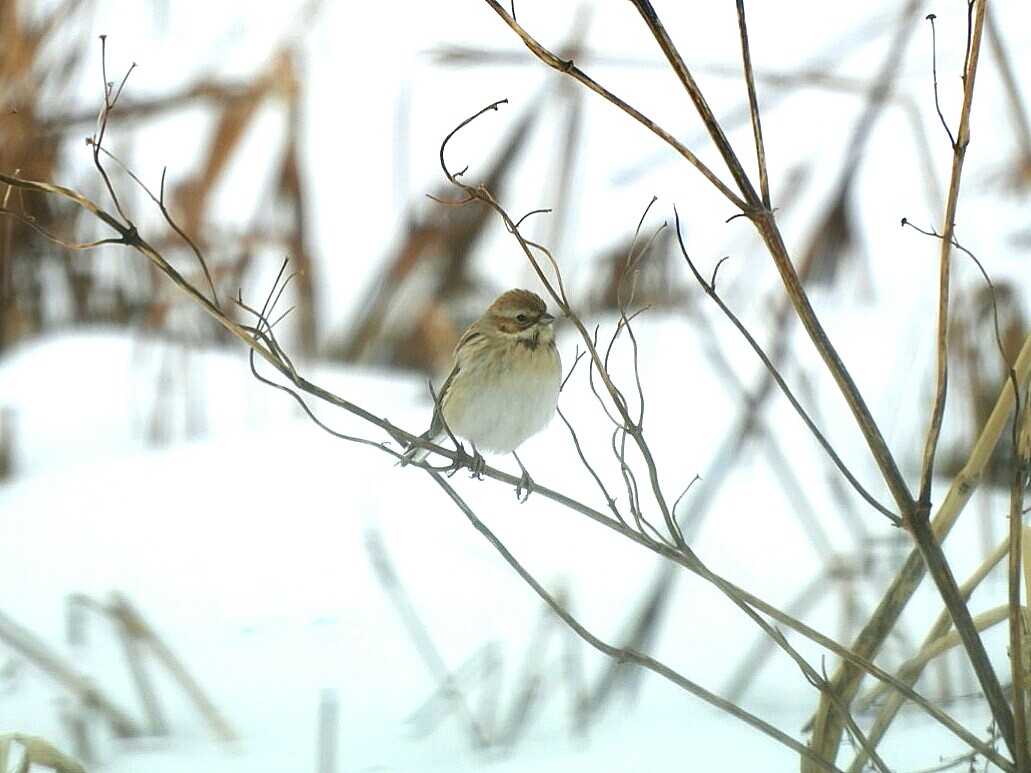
[(247, 551)]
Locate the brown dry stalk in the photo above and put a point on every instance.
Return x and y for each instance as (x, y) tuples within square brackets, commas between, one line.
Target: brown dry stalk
[(28, 646), (753, 106), (1021, 471), (910, 671), (569, 68), (945, 255)]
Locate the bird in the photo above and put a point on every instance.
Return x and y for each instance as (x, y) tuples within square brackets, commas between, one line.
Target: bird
[(503, 386)]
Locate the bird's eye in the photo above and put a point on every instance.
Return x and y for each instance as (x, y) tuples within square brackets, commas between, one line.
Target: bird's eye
[(522, 319)]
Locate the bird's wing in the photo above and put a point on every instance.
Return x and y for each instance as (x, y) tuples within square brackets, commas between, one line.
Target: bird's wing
[(437, 425), (436, 432)]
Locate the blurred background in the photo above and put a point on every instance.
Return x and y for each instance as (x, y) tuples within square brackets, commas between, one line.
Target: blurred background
[(310, 605)]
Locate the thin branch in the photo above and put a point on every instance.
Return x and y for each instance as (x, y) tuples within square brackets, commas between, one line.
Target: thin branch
[(917, 520), (570, 69), (98, 140), (712, 125), (934, 74), (609, 499), (572, 369), (785, 389), (1016, 614), (35, 226), (715, 271), (1018, 620), (997, 328), (911, 670), (960, 492), (160, 201), (753, 106), (952, 200), (519, 222)]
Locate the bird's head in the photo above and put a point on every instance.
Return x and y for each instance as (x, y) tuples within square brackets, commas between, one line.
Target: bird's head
[(522, 315)]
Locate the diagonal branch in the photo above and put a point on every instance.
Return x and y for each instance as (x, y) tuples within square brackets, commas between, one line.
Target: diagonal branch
[(574, 72), (676, 61), (753, 106), (710, 290)]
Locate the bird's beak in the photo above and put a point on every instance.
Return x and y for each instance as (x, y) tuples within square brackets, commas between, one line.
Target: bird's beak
[(545, 319)]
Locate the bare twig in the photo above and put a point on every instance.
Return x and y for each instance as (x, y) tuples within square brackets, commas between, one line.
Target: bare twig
[(918, 519), (952, 200), (570, 69), (609, 499), (770, 233), (991, 294), (160, 201), (1017, 619), (753, 106), (934, 74), (1016, 616), (824, 443), (110, 99)]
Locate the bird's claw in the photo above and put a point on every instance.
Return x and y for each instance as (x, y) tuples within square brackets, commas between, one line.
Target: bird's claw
[(476, 463), (524, 487), (479, 464), (460, 461)]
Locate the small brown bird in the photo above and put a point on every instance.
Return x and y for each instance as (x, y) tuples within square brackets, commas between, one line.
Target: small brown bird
[(504, 384)]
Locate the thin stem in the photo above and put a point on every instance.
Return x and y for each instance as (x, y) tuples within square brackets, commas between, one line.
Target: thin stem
[(785, 389), (918, 518), (1016, 616), (680, 69), (945, 254), (934, 75), (753, 106), (570, 69)]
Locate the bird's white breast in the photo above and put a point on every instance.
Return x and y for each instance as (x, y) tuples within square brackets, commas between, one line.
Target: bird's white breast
[(497, 403)]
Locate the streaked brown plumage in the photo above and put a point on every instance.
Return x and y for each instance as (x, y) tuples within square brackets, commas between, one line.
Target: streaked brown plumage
[(504, 384)]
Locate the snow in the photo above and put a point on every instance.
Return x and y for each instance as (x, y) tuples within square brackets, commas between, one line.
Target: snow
[(247, 551)]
